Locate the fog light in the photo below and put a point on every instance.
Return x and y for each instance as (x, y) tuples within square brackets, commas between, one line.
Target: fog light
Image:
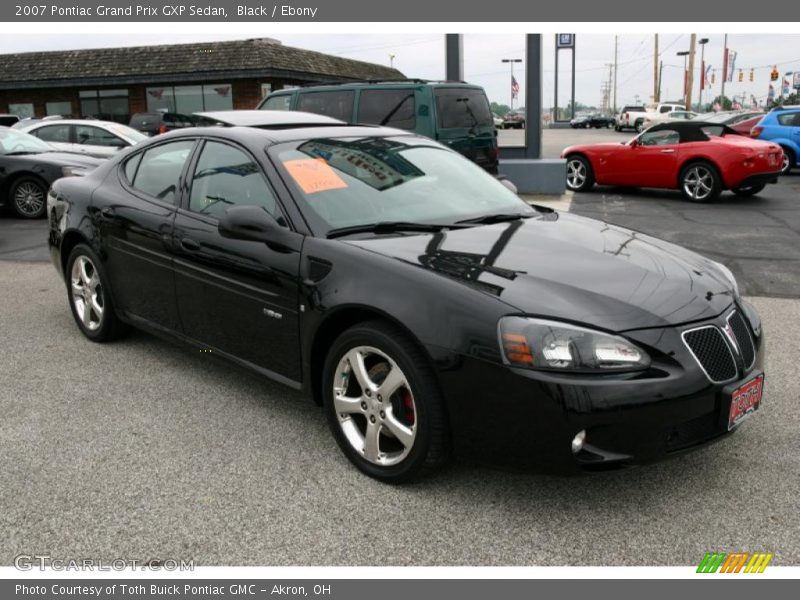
[(577, 441)]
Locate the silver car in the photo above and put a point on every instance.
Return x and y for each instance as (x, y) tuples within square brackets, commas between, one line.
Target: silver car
[(101, 139)]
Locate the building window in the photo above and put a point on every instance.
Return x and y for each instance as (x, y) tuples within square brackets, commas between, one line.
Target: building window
[(188, 99), (59, 108), (108, 105), (23, 110)]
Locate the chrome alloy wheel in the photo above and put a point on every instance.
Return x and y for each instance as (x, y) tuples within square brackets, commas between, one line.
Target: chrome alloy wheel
[(87, 293), (375, 406), (698, 182), (576, 173), (29, 199), (786, 163)]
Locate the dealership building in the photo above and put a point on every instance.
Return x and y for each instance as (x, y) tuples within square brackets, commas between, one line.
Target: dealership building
[(114, 83)]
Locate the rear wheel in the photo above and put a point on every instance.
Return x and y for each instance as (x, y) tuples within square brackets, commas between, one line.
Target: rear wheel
[(788, 161), (580, 176), (28, 197), (383, 404), (90, 296), (700, 182), (749, 190), (639, 126)]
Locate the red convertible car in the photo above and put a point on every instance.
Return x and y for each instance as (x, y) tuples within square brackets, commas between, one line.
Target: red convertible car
[(700, 159)]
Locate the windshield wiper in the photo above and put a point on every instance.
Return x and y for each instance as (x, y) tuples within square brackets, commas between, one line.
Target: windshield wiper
[(496, 218), (389, 227)]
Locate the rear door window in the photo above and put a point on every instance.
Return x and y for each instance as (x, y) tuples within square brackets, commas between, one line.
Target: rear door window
[(790, 119), (95, 136), (393, 108), (337, 104), (281, 102), (160, 170), (462, 108), (59, 134)]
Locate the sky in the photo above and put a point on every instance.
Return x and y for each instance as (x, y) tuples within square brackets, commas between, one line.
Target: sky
[(422, 55)]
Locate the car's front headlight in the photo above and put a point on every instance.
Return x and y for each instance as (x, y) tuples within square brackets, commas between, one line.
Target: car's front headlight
[(73, 171), (554, 346)]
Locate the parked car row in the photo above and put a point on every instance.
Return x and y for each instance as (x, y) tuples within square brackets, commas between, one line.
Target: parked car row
[(594, 120)]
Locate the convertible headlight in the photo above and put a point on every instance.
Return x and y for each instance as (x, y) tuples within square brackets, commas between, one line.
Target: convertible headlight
[(551, 345), (729, 276)]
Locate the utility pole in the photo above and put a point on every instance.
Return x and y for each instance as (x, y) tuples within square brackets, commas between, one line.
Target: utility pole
[(702, 42), (616, 58), (656, 75), (660, 68), (724, 71), (690, 72)]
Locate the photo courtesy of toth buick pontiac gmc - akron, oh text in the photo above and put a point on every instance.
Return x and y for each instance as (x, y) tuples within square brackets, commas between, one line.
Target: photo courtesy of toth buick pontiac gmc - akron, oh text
[(416, 298)]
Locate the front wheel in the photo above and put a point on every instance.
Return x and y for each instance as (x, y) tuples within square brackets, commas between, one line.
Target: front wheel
[(383, 403), (28, 197), (700, 182), (580, 176), (749, 190)]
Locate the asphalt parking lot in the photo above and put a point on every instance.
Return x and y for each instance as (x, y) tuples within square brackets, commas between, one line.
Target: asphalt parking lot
[(141, 449)]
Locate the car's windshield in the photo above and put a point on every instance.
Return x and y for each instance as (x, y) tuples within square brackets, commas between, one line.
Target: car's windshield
[(348, 182), (128, 132), (13, 141)]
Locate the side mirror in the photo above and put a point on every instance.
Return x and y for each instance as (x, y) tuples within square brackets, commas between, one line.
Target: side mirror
[(635, 143), (254, 224)]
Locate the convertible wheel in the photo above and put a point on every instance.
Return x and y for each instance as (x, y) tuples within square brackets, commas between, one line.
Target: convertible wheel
[(383, 403), (28, 197), (788, 161), (700, 182), (579, 174), (89, 296), (749, 190)]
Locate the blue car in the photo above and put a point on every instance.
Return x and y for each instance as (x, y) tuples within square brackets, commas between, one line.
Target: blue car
[(782, 126)]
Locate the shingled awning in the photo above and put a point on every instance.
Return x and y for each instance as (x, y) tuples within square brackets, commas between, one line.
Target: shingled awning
[(240, 59)]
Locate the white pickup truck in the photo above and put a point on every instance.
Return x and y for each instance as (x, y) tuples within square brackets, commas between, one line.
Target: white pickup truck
[(634, 117)]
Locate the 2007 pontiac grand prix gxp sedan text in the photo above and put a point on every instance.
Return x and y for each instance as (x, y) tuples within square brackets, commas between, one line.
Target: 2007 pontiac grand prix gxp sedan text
[(418, 299)]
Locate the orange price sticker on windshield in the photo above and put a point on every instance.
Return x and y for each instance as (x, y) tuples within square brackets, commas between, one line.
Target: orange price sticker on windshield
[(314, 175)]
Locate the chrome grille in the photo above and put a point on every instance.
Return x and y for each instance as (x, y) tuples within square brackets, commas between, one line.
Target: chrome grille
[(743, 338), (708, 346)]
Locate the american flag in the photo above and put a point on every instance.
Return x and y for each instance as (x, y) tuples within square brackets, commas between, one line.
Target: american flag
[(514, 87), (787, 87)]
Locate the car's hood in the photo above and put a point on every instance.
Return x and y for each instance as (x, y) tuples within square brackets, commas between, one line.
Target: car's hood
[(67, 159), (567, 267)]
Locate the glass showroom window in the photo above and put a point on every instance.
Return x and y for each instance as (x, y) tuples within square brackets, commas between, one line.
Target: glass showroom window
[(23, 110), (108, 105), (58, 108), (187, 99)]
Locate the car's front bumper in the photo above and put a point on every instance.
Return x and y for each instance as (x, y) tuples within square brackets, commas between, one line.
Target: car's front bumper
[(529, 418)]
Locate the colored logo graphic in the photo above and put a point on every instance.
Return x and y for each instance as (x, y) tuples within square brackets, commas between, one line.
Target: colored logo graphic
[(735, 562)]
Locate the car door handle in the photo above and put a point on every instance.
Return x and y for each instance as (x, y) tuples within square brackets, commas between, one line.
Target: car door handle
[(668, 151), (190, 244), (107, 212)]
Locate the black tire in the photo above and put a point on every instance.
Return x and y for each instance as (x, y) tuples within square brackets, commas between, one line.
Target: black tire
[(577, 164), (707, 173), (28, 197), (430, 447), (750, 190), (617, 128), (639, 126), (789, 161), (588, 125), (107, 326)]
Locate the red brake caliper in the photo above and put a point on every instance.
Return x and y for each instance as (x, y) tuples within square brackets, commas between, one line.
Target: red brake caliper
[(408, 407)]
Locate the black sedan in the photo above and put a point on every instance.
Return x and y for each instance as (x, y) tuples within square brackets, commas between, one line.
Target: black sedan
[(595, 121), (420, 301), (27, 168)]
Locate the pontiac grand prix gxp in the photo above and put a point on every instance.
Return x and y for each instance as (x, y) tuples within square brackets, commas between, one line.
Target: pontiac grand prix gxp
[(415, 297)]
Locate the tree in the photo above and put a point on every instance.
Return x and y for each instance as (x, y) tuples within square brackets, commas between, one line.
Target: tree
[(724, 102), (793, 98), (500, 109)]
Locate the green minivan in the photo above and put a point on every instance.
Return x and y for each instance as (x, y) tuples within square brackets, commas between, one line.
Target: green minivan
[(455, 114)]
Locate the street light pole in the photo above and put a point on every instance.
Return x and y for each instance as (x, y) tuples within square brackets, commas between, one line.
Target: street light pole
[(684, 54), (511, 61), (702, 42)]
